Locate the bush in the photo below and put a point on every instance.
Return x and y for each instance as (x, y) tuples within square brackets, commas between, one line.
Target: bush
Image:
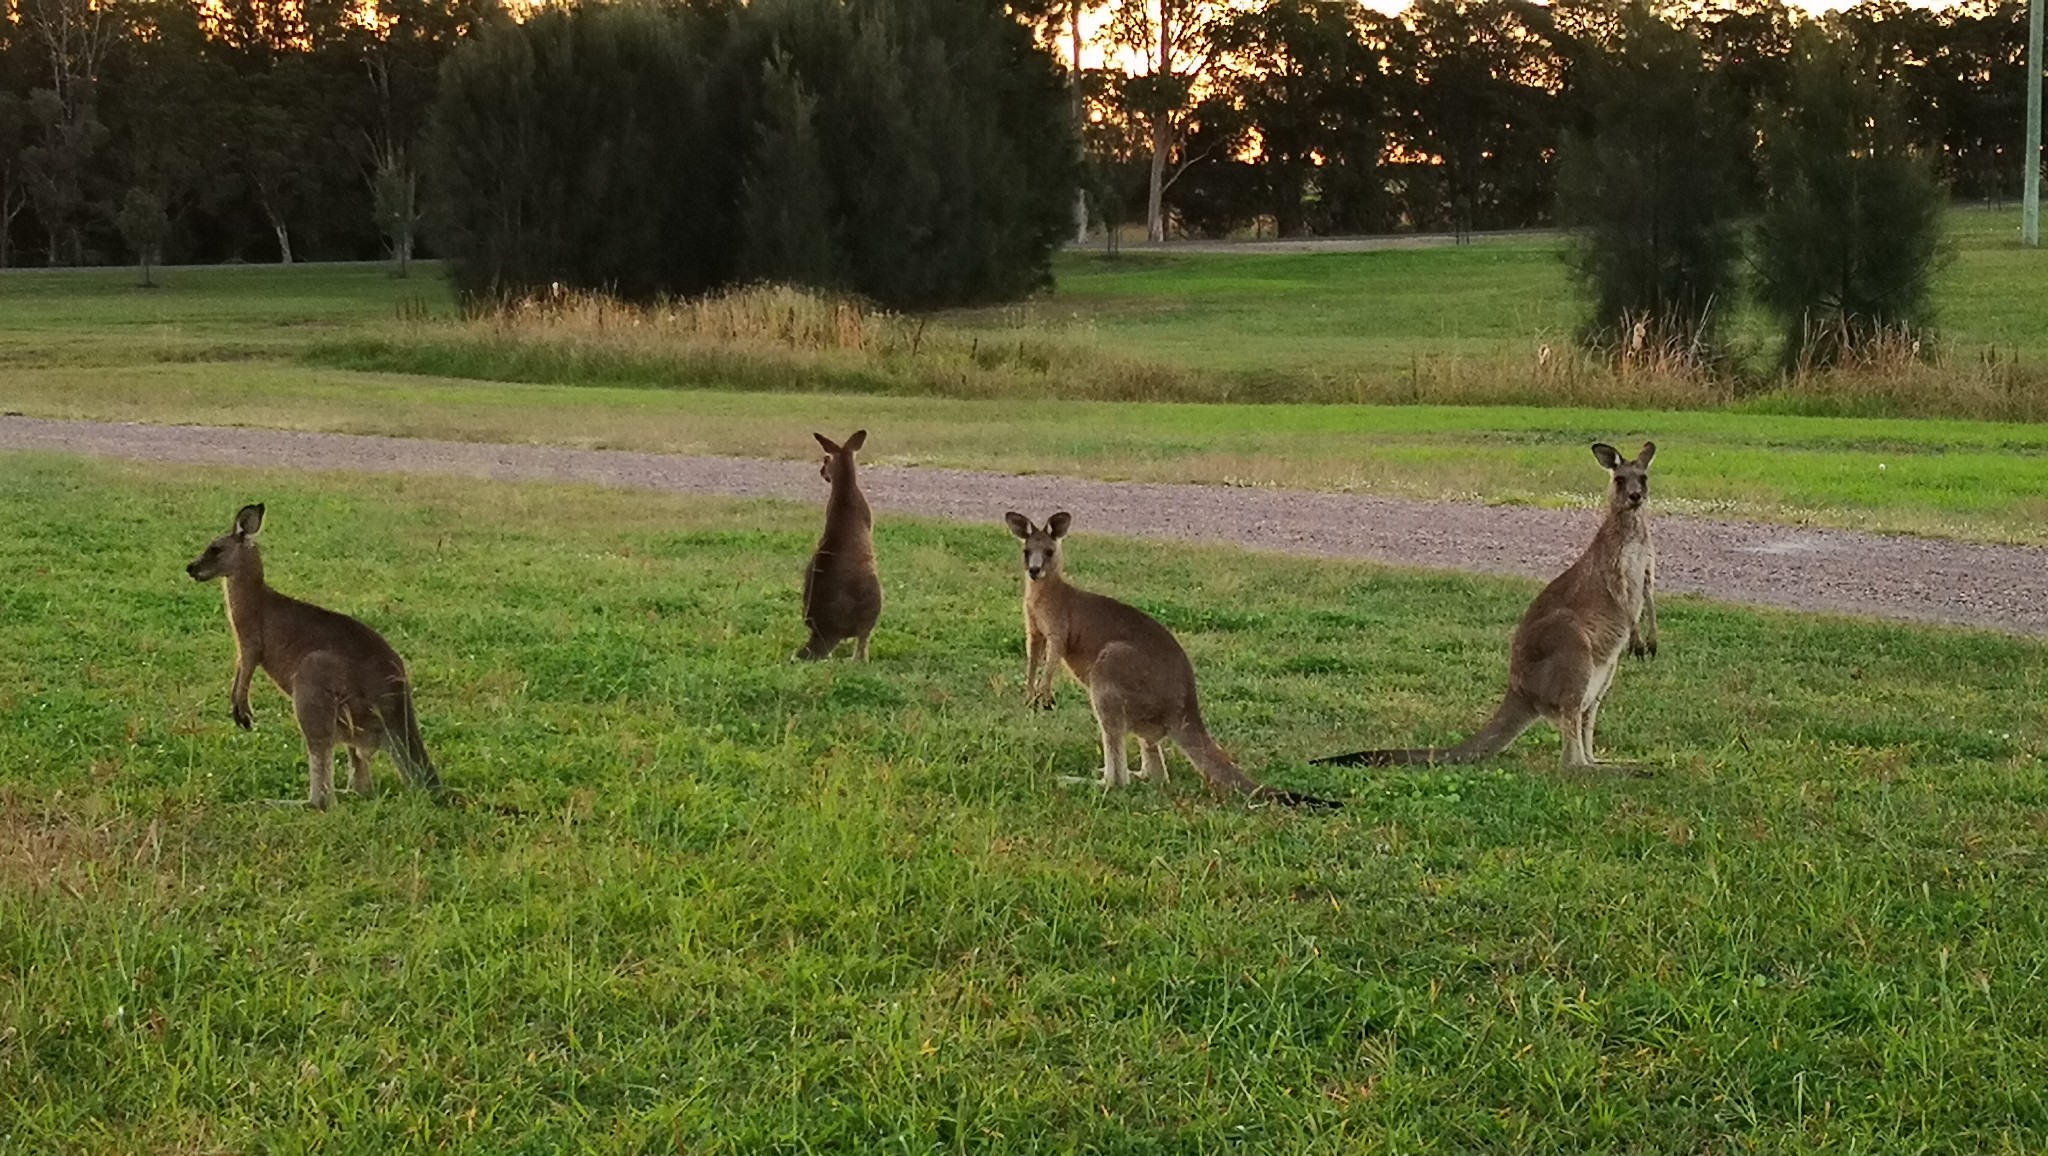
[(571, 149), (1851, 228), (917, 152), (1649, 184)]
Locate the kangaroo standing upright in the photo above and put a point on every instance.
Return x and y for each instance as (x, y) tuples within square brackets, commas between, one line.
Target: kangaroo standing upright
[(347, 686), (1568, 645), (842, 591), (1139, 679)]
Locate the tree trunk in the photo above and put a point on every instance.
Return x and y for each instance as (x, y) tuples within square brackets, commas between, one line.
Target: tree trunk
[(54, 254), (1162, 133), (284, 240), (1155, 196), (1080, 126)]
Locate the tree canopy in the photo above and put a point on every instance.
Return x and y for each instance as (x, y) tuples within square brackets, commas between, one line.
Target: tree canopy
[(272, 130)]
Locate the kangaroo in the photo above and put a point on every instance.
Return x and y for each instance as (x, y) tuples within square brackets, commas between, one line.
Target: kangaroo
[(1566, 649), (1139, 679), (842, 591), (346, 684)]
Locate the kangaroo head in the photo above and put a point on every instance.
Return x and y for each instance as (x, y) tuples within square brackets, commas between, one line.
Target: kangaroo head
[(232, 551), (1041, 543), (1631, 478), (839, 457)]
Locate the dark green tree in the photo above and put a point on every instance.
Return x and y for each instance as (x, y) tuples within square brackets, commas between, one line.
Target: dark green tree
[(14, 126), (1311, 93), (145, 227), (1477, 103), (787, 226), (395, 195), (57, 165), (1649, 185), (572, 149), (1748, 46), (1851, 229)]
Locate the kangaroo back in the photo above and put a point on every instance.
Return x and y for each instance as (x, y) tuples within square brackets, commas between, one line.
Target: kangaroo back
[(842, 595)]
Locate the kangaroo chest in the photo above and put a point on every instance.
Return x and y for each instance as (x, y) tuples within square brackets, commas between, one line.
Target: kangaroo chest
[(1638, 558), (244, 620), (1050, 613)]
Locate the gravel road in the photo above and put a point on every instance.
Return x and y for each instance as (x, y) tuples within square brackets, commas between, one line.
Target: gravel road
[(1839, 571)]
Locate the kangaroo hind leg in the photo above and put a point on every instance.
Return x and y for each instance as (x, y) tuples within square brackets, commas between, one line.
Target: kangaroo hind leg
[(359, 769), (1151, 761), (317, 707), (1109, 715)]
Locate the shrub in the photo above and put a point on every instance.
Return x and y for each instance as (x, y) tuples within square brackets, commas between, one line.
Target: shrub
[(916, 152), (1649, 185), (1851, 228)]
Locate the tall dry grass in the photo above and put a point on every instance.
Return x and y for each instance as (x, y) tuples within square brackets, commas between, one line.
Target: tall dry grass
[(780, 339), (766, 338)]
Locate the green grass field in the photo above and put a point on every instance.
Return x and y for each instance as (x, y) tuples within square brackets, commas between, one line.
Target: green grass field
[(302, 348), (1493, 302), (701, 898)]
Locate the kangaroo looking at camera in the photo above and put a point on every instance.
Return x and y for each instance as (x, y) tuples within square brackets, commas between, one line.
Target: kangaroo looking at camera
[(1139, 679), (1568, 645), (842, 591), (347, 686)]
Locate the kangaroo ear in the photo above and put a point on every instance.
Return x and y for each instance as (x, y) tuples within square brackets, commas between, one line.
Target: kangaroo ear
[(830, 446), (1644, 455), (1019, 524), (859, 438), (1609, 457), (249, 520), (1058, 523)]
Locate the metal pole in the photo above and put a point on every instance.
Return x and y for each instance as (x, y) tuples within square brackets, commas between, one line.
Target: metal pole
[(2030, 212)]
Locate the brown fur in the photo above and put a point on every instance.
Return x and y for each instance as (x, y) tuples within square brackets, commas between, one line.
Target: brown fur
[(1567, 647), (347, 686), (842, 591), (1138, 678)]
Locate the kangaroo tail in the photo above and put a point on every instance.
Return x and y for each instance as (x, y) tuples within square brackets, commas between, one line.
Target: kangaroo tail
[(1514, 716), (1223, 774), (408, 749)]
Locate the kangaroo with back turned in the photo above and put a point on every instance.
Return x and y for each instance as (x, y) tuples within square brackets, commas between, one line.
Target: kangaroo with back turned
[(842, 591), (347, 686), (1571, 640), (1139, 680)]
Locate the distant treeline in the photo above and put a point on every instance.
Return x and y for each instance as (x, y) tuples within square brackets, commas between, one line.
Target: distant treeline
[(270, 131), (1324, 116)]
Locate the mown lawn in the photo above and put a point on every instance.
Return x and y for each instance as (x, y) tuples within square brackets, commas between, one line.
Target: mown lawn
[(1493, 303), (703, 898)]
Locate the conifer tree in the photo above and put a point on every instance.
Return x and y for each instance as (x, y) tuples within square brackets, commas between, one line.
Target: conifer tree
[(1650, 187), (1851, 230)]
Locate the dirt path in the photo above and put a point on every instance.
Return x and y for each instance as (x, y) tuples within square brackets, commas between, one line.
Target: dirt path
[(1999, 587)]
